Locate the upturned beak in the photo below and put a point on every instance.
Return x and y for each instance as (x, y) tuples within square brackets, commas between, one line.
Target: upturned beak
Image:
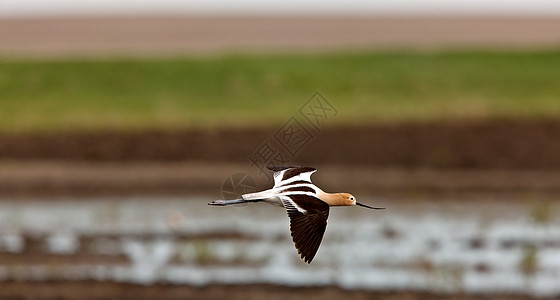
[(360, 204)]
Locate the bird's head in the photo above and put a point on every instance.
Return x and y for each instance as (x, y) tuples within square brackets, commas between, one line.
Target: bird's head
[(351, 200), (347, 199)]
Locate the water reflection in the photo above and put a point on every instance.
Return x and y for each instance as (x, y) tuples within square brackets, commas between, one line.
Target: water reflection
[(445, 245)]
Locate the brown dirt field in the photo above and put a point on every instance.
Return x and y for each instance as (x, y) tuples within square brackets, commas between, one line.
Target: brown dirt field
[(442, 158), (441, 145), (202, 35), (105, 290)]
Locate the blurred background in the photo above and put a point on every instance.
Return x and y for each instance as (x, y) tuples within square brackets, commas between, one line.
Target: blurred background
[(121, 120)]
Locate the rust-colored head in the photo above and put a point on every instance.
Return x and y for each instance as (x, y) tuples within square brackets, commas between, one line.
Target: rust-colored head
[(345, 199), (338, 199), (342, 199)]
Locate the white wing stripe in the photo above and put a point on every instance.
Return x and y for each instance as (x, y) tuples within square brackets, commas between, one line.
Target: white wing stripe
[(306, 176), (278, 177), (298, 193), (291, 174), (288, 202)]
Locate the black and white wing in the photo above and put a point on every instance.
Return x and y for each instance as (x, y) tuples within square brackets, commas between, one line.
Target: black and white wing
[(308, 214), (291, 175), (308, 222)]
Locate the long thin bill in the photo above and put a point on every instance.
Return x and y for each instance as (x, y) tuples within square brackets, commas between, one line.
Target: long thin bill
[(360, 204)]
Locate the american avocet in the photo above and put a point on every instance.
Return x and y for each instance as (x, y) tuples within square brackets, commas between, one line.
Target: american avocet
[(307, 205)]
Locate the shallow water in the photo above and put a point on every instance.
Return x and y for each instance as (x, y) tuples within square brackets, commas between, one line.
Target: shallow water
[(446, 245)]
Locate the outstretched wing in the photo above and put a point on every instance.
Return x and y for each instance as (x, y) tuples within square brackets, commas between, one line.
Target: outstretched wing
[(308, 222), (285, 175)]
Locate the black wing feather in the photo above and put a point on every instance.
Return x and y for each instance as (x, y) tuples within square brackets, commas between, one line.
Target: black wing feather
[(307, 228), (280, 168)]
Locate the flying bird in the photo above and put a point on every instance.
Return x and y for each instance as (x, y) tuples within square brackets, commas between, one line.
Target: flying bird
[(306, 204)]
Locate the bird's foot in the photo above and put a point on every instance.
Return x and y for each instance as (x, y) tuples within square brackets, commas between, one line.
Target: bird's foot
[(218, 203)]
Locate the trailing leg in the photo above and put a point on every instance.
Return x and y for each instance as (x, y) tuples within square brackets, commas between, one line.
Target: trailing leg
[(229, 202)]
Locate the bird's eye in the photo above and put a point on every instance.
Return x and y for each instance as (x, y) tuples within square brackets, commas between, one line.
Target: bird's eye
[(352, 198)]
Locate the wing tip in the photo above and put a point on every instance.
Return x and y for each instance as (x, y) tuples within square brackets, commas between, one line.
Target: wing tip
[(307, 259)]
